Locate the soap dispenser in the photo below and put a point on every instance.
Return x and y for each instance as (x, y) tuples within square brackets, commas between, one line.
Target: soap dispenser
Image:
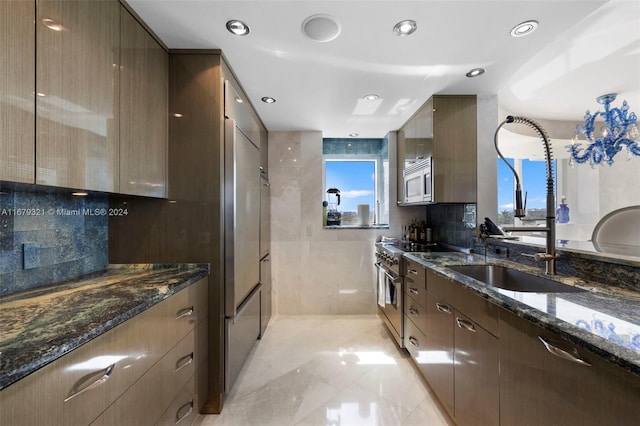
[(562, 212)]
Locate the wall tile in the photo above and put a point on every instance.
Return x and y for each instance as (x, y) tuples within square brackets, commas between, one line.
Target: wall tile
[(70, 233)]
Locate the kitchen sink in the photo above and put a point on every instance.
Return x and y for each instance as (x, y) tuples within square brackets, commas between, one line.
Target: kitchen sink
[(512, 279)]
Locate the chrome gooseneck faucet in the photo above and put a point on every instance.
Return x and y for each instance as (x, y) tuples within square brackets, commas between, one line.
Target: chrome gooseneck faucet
[(550, 229)]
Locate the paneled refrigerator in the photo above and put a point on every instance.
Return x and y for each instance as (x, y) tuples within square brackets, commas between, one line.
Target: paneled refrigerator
[(242, 187)]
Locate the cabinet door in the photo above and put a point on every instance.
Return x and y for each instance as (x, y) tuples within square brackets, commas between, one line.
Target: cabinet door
[(77, 104), (17, 104), (539, 388), (476, 381), (143, 111), (439, 349), (454, 149)]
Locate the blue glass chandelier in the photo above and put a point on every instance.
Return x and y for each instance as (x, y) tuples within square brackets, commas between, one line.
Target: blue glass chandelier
[(619, 131)]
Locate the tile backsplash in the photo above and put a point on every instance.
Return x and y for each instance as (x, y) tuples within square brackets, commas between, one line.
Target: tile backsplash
[(453, 223), (50, 237)]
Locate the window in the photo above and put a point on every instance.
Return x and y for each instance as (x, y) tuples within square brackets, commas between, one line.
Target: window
[(359, 169), (533, 178)]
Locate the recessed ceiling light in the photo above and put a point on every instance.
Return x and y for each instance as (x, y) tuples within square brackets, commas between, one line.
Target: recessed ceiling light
[(524, 28), (353, 135), (177, 115), (406, 27), (321, 28), (475, 72), (371, 97), (238, 28), (268, 100), (52, 25)]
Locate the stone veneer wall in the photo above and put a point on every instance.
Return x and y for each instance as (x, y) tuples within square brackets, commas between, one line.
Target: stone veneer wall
[(47, 238), (318, 271)]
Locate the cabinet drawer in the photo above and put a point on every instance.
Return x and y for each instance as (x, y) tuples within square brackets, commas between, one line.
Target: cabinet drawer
[(416, 312), (414, 274), (416, 292), (183, 409), (155, 390), (473, 306), (414, 341)]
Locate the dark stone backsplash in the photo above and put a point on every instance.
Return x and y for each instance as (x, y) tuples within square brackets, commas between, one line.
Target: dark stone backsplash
[(49, 237), (453, 223)]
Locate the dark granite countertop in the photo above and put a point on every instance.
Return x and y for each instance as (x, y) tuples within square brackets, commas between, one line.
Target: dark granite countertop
[(40, 325), (605, 319)]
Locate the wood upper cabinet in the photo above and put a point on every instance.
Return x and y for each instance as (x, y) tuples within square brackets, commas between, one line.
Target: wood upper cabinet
[(17, 90), (445, 129), (144, 96), (539, 388), (77, 85), (454, 167)]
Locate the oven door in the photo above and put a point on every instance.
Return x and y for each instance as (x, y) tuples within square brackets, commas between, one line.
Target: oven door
[(390, 301)]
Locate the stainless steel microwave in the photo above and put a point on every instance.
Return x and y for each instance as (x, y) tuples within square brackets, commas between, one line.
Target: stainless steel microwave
[(418, 182)]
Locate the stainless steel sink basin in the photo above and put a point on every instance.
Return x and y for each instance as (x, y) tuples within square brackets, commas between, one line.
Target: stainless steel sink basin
[(512, 279)]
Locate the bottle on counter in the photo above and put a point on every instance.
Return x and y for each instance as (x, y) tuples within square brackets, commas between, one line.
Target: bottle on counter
[(562, 212)]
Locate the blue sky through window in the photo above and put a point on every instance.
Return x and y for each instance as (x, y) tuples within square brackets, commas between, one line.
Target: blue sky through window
[(354, 179), (533, 179)]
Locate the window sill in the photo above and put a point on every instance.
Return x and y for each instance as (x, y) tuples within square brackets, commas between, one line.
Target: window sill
[(383, 226)]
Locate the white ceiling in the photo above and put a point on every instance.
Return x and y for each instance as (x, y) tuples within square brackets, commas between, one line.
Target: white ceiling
[(581, 50)]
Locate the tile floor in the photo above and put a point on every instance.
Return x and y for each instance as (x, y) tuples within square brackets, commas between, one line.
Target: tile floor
[(328, 370)]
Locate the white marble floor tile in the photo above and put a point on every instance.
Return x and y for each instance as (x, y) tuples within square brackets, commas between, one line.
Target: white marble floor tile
[(342, 370), (357, 406), (427, 414)]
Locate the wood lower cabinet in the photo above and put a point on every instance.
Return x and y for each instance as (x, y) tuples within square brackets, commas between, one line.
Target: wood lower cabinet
[(439, 349), (17, 90), (77, 86), (476, 384), (539, 388), (144, 100), (457, 356), (142, 362)]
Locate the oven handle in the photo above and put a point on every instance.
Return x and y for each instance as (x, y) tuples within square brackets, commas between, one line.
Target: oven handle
[(393, 279)]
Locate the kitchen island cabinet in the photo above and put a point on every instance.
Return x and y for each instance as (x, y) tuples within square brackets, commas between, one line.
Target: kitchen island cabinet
[(573, 387), (77, 85), (17, 89)]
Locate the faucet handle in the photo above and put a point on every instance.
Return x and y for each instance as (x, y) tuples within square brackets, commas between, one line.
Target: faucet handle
[(541, 257)]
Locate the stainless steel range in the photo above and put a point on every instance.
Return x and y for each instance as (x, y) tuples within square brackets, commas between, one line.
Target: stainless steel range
[(390, 282), (390, 289)]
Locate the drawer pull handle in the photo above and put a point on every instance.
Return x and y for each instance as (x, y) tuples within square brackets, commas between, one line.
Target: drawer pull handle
[(184, 361), (186, 312), (467, 325), (80, 387), (413, 272), (184, 411), (413, 290), (561, 353), (414, 341), (443, 308), (414, 312)]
